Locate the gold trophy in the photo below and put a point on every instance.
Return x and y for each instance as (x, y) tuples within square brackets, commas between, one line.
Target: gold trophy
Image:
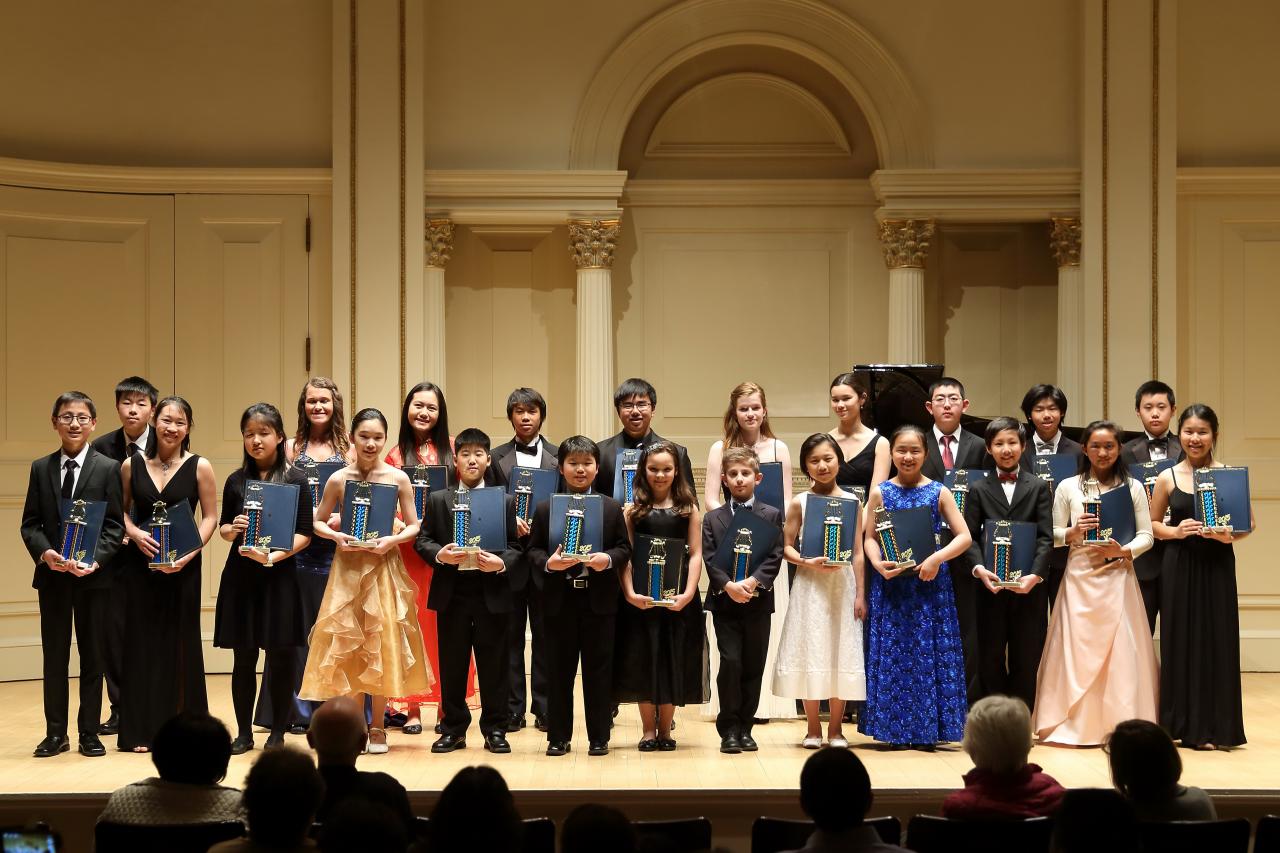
[(833, 537), (1207, 501), (888, 539), (742, 557), (361, 506), (1002, 556), (254, 542), (73, 532), (657, 565), (1092, 500), (523, 491), (166, 557), (462, 539), (574, 517)]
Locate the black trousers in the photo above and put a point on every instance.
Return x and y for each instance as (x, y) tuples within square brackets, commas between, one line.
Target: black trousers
[(111, 640), (743, 640), (1011, 634), (61, 606), (576, 633), (464, 626), (1151, 599), (1056, 570), (528, 606), (966, 587)]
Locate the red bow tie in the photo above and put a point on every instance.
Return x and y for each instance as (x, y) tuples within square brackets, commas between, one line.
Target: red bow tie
[(1008, 478)]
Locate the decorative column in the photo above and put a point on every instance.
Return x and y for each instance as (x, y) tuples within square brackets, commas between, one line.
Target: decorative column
[(1064, 240), (438, 246), (591, 242), (906, 244)]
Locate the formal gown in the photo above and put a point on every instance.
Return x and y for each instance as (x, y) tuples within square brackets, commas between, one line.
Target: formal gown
[(915, 662), (820, 650), (772, 706), (1099, 665), (660, 655), (420, 573), (1199, 637), (163, 656), (311, 567)]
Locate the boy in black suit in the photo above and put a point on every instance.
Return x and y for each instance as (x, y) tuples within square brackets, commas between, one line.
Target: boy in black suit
[(741, 620), (67, 593), (527, 410), (635, 402), (948, 447), (580, 604), (135, 405), (1154, 403), (1045, 408), (473, 608), (1010, 626)]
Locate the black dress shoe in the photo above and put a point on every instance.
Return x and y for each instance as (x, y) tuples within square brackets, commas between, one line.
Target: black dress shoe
[(448, 743), (925, 747), (497, 742), (298, 729), (666, 744), (241, 745), (649, 744), (540, 723), (598, 747), (515, 722), (760, 721), (730, 745), (412, 728), (439, 728), (51, 746), (91, 746), (111, 726), (393, 720), (748, 743), (558, 747), (274, 741)]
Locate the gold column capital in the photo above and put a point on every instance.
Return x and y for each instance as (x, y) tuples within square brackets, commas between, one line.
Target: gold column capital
[(439, 240), (1064, 240), (906, 242), (592, 241)]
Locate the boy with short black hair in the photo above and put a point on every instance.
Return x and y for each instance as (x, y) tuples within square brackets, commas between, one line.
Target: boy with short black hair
[(1045, 408), (635, 402), (740, 611), (473, 607), (135, 405), (581, 610), (67, 593), (1010, 627)]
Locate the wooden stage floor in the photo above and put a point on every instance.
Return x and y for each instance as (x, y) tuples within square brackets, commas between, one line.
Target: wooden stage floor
[(69, 791)]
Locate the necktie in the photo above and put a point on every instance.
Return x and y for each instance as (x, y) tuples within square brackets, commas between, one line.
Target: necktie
[(948, 460), (1043, 449), (132, 449), (526, 449), (69, 479), (1008, 478), (737, 506)]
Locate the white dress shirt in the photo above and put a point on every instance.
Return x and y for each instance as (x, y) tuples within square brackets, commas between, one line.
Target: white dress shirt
[(529, 460), (1044, 448), (75, 475)]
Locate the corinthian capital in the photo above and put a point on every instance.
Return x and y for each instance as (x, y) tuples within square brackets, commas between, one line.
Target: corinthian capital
[(439, 237), (591, 242), (1064, 240), (905, 242)]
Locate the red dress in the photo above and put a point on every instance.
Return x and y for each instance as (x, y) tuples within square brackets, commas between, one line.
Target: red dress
[(420, 573)]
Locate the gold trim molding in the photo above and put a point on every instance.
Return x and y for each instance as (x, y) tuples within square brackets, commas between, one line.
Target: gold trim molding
[(592, 241), (1064, 240), (166, 180), (439, 241), (906, 242)]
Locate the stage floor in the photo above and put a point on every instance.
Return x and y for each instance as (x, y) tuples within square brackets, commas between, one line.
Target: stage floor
[(696, 766)]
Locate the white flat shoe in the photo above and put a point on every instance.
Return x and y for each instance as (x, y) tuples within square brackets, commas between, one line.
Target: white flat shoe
[(375, 748), (812, 743), (838, 743)]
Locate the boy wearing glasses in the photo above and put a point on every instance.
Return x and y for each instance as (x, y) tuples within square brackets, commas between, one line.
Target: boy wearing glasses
[(68, 593), (635, 401)]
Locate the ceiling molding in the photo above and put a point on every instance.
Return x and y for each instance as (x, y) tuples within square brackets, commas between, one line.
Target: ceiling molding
[(522, 197), (749, 193), (163, 179), (1228, 181), (977, 195)]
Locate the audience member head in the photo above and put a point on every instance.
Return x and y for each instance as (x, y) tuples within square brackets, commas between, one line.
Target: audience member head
[(592, 827), (476, 812), (192, 748), (1145, 766), (359, 823), (1095, 820), (281, 795), (338, 732), (835, 790), (997, 734)]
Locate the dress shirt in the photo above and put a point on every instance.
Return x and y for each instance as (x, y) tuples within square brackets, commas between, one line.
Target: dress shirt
[(1158, 453), (1044, 448), (79, 458), (529, 460)]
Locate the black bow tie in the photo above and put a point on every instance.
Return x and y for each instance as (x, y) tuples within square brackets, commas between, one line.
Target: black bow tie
[(1162, 441), (735, 506), (526, 449)]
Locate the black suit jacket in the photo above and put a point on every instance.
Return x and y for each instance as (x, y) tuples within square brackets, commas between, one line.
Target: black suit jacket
[(1065, 445), (504, 458), (1032, 501), (609, 455), (42, 517), (605, 587), (970, 452), (437, 532), (342, 783), (715, 526), (113, 444), (1135, 450)]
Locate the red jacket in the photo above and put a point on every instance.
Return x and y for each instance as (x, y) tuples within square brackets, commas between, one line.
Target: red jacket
[(1028, 792)]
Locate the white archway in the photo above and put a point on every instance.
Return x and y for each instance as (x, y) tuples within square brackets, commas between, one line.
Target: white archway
[(807, 28)]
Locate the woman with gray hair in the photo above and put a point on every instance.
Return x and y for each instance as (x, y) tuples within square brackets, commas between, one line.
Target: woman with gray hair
[(997, 736)]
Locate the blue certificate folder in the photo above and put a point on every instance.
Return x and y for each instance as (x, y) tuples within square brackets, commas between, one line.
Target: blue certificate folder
[(591, 539), (624, 473), (279, 519), (1055, 467), (659, 583), (79, 541), (1231, 487), (530, 487), (973, 476), (1116, 519), (1146, 473), (762, 534), (318, 474), (1022, 547), (817, 509), (913, 528), (184, 535), (487, 528), (425, 479), (769, 490), (380, 515)]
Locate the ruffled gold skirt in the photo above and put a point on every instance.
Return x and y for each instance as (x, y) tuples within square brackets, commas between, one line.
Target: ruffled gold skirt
[(366, 638)]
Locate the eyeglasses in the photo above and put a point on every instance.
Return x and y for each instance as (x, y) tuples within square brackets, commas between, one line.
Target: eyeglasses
[(952, 398), (643, 406), (70, 419)]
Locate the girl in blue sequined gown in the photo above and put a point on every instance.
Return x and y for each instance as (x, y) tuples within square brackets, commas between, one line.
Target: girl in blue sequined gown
[(915, 663)]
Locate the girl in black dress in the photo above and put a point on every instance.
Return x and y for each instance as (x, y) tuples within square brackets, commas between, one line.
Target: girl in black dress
[(259, 606), (660, 658), (163, 657), (866, 452), (1200, 701)]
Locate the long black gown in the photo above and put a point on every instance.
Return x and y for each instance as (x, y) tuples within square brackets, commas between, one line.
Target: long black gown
[(163, 658), (1199, 637)]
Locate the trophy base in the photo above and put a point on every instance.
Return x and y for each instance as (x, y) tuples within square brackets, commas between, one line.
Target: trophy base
[(156, 567), (661, 602), (1218, 528), (361, 543), (76, 563), (837, 564), (1007, 584), (908, 567), (576, 558), (246, 550)]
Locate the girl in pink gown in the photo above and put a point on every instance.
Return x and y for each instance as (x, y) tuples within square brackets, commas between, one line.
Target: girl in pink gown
[(1099, 666)]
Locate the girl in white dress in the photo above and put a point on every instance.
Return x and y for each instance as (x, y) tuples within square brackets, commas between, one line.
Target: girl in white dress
[(820, 651)]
